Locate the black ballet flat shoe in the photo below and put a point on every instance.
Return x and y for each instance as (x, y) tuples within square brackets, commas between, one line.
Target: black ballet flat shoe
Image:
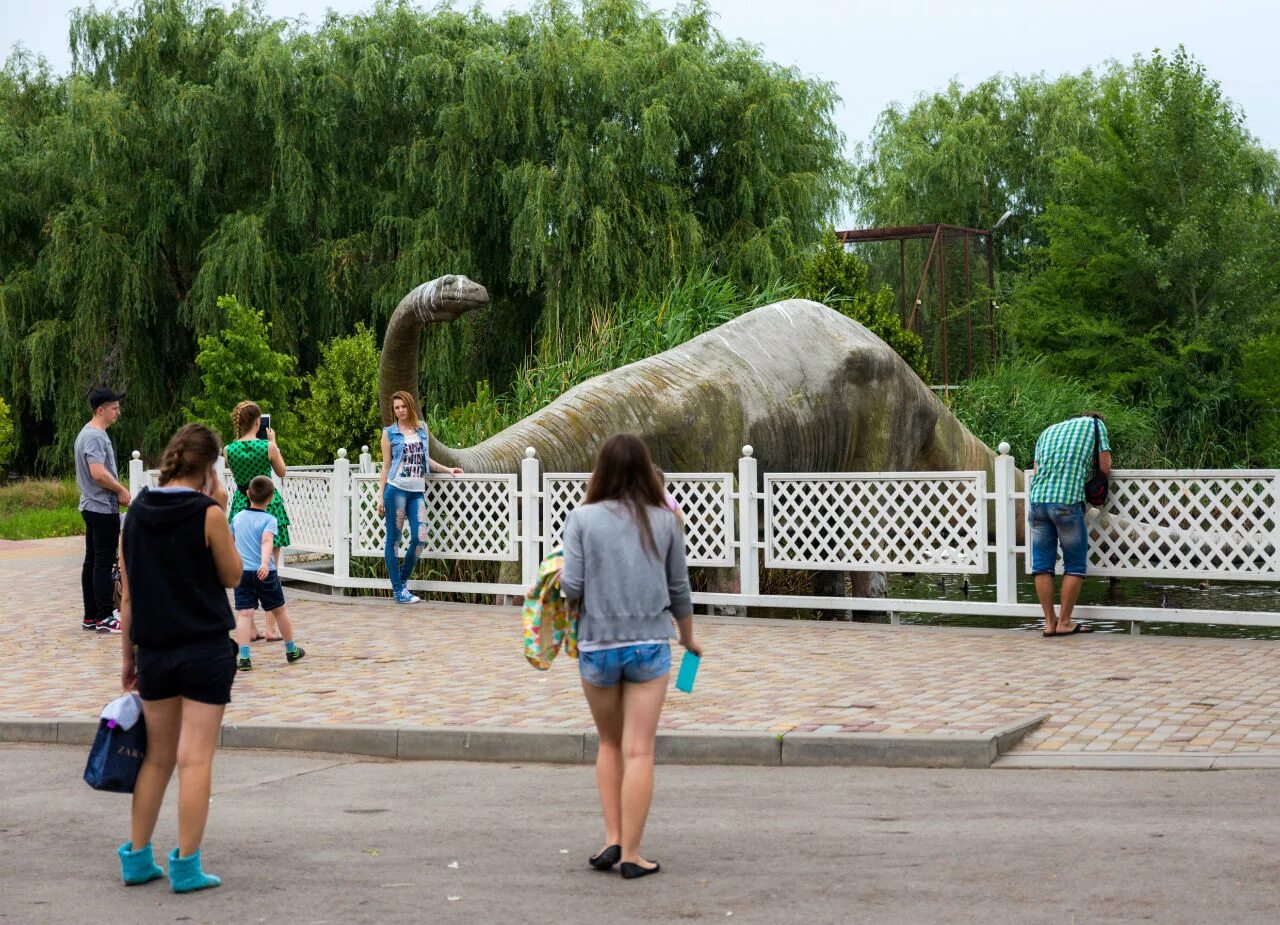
[(606, 858), (632, 871)]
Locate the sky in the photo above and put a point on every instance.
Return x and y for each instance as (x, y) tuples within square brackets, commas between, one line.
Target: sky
[(878, 51)]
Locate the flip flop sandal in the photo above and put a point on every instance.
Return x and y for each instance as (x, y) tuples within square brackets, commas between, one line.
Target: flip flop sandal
[(1078, 628), (272, 638), (257, 638), (1048, 634)]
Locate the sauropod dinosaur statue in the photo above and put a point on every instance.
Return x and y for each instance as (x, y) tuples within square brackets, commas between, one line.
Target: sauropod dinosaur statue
[(440, 300), (808, 388)]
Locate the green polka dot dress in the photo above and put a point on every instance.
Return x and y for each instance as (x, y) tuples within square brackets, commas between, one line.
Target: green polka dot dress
[(248, 459)]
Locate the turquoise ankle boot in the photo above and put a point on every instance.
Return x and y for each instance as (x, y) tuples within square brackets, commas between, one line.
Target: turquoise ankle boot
[(185, 874), (138, 866)]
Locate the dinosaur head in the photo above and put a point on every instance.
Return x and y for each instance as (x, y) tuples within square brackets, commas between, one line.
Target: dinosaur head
[(449, 297)]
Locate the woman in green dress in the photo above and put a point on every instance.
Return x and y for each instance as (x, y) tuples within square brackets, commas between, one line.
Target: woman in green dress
[(247, 457)]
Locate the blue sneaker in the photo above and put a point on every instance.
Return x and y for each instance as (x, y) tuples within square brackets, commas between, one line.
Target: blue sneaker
[(404, 596)]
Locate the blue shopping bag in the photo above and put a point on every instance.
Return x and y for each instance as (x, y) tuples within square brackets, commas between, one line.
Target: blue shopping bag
[(116, 756)]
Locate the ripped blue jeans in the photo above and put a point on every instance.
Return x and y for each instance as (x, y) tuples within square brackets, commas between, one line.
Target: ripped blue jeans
[(402, 505)]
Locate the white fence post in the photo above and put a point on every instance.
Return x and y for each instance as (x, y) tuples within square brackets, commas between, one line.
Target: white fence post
[(366, 461), (748, 528), (531, 525), (137, 474), (1006, 529), (340, 515)]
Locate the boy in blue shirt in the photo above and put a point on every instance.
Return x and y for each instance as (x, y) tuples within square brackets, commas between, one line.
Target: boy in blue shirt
[(254, 531)]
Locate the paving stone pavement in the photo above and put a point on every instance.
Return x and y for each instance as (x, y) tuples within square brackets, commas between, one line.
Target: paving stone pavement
[(370, 661)]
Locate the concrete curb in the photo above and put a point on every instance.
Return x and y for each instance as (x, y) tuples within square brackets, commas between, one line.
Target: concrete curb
[(564, 746), (1139, 761)]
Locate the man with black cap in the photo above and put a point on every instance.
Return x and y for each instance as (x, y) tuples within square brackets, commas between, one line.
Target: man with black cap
[(101, 497)]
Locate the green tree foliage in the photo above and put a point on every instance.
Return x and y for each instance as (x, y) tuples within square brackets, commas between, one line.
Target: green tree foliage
[(6, 435), (238, 363), (1142, 256), (341, 407), (836, 277), (564, 157)]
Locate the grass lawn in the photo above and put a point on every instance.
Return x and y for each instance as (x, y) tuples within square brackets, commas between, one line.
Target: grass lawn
[(39, 508)]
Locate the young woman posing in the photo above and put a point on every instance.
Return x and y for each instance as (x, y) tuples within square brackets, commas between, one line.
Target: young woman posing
[(177, 558), (624, 562), (405, 464)]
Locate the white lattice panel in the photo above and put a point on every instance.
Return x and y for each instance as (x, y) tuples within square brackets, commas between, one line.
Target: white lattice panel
[(228, 480), (1206, 524), (892, 521), (706, 499), (308, 501), (468, 517)]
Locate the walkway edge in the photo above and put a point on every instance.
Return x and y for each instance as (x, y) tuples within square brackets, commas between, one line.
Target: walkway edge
[(567, 746)]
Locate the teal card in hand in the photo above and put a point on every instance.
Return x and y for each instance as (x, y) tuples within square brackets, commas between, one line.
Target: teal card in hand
[(688, 671)]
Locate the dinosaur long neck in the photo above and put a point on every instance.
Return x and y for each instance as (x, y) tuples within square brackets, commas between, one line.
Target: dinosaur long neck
[(398, 367)]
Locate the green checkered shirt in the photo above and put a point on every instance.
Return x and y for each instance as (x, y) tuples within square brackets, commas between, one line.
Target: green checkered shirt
[(1064, 461)]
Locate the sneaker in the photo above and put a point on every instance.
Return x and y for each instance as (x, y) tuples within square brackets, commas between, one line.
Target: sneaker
[(244, 664), (403, 596), (89, 624), (109, 625), (296, 654)]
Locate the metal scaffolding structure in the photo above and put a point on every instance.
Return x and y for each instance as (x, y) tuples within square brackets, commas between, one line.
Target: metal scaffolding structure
[(939, 235)]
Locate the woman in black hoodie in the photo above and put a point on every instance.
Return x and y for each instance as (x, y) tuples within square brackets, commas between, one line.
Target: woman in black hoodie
[(177, 558)]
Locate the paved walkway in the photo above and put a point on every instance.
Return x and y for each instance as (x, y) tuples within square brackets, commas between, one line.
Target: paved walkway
[(370, 661)]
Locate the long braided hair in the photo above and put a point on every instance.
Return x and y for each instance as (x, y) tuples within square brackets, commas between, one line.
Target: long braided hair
[(243, 416)]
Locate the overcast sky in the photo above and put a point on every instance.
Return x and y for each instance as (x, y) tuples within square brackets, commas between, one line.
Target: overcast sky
[(877, 51)]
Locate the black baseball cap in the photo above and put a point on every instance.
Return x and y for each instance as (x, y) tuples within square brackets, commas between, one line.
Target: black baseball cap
[(102, 395)]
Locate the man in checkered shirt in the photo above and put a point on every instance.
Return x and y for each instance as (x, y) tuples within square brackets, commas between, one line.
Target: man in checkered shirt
[(1063, 463)]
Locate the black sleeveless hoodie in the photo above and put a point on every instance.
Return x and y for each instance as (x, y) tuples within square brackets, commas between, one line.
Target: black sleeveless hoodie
[(173, 584)]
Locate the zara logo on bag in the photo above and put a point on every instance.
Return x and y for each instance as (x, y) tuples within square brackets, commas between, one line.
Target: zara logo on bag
[(130, 752)]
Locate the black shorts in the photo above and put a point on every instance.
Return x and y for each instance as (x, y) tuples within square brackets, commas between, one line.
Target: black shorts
[(253, 591), (200, 671)]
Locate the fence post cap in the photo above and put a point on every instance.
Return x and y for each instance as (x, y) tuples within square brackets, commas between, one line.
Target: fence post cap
[(364, 449), (530, 452), (136, 455), (747, 450), (1003, 448), (342, 453)]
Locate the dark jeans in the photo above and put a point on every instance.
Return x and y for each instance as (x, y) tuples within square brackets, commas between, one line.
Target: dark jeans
[(101, 534)]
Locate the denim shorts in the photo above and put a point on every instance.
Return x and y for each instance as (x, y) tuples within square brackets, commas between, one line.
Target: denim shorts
[(635, 664), (1059, 524), (253, 591)]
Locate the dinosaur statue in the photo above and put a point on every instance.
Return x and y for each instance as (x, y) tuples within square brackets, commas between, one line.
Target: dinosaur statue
[(440, 300), (808, 388)]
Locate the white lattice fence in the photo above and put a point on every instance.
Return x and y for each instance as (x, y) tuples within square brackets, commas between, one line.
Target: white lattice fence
[(468, 517), (152, 477), (308, 500), (892, 521), (705, 499), (1203, 524)]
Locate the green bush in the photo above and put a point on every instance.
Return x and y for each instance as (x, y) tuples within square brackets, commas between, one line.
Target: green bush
[(836, 277), (238, 363), (1018, 399), (6, 436), (38, 508), (341, 407)]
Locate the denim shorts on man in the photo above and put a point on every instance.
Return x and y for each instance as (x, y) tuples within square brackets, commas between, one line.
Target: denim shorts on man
[(1059, 524), (254, 591), (635, 664)]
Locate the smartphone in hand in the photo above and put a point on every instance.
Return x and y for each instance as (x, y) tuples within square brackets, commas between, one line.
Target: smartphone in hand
[(688, 671), (264, 423)]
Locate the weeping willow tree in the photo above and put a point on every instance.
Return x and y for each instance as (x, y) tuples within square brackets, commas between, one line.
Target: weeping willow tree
[(564, 157)]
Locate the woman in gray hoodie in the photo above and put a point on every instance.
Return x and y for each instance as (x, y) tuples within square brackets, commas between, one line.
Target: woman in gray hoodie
[(624, 564)]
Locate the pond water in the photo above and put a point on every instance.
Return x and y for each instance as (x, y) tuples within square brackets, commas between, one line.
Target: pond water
[(1124, 592)]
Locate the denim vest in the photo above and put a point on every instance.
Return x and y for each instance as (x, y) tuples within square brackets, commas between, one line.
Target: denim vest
[(397, 446)]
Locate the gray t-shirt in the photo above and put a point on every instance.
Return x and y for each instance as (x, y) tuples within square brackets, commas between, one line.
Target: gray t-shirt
[(627, 594), (94, 446)]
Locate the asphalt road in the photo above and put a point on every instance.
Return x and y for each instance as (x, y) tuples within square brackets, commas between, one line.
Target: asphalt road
[(316, 839)]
